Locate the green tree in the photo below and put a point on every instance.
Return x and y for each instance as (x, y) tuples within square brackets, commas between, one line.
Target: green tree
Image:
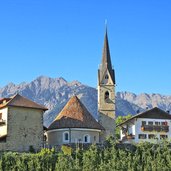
[(118, 121)]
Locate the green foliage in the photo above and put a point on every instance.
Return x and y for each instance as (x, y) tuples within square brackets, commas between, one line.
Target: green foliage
[(91, 159), (119, 120), (111, 157)]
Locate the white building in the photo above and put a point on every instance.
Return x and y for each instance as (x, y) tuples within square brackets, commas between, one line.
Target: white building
[(152, 126)]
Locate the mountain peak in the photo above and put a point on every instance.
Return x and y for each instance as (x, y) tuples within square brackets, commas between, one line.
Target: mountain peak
[(55, 92)]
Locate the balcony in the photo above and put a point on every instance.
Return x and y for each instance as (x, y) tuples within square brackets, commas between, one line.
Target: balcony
[(2, 122), (128, 137), (157, 128)]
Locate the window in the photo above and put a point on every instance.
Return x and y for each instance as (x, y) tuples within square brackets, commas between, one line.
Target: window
[(106, 77), (143, 123), (163, 136), (142, 136), (3, 139), (86, 139), (150, 123), (157, 123), (151, 136), (106, 95), (164, 123), (66, 137)]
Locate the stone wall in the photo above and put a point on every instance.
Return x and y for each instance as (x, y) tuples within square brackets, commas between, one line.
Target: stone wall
[(25, 129)]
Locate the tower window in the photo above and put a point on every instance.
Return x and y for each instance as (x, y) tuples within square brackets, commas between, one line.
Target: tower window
[(106, 95), (106, 77)]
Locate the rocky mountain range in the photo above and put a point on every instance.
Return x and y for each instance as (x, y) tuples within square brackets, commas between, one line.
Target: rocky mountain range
[(55, 92)]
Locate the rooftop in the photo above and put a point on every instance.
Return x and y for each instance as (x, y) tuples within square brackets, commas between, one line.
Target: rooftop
[(75, 115), (20, 101)]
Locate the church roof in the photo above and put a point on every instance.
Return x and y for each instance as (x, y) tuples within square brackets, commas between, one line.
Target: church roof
[(75, 115), (106, 61), (154, 113), (20, 101)]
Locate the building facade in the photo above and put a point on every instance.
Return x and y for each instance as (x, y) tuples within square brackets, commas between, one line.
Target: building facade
[(151, 126), (21, 124)]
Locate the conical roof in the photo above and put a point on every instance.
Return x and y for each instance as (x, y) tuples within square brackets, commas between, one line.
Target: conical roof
[(75, 115)]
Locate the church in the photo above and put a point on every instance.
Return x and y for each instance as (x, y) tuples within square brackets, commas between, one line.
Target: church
[(75, 124)]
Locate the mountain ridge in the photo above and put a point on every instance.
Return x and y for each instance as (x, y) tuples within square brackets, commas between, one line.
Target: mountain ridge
[(55, 92)]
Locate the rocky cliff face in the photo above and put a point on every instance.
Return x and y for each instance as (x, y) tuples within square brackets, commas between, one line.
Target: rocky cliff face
[(55, 92)]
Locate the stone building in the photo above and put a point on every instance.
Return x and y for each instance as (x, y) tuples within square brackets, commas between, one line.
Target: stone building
[(21, 124), (75, 124)]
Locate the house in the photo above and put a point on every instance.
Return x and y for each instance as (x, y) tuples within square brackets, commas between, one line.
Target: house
[(21, 124), (152, 125), (75, 124)]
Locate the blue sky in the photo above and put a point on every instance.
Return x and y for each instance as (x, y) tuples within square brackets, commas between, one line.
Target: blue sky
[(65, 39)]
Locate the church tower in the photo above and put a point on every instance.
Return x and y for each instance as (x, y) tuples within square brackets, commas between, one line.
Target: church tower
[(106, 92)]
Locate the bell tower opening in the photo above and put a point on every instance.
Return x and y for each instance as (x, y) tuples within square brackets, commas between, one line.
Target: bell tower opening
[(106, 96)]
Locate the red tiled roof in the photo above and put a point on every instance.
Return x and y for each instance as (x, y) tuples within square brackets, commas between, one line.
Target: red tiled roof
[(75, 115)]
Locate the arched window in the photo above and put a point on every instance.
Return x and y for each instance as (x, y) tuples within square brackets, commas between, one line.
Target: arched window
[(86, 138), (106, 95), (66, 137)]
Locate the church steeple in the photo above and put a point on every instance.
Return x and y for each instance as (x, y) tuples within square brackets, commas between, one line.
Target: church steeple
[(106, 64), (106, 52), (106, 92)]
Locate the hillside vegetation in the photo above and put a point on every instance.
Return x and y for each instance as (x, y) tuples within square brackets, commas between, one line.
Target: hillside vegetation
[(142, 157)]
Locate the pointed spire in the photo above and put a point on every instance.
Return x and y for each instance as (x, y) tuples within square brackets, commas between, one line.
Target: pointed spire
[(106, 60), (106, 53)]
